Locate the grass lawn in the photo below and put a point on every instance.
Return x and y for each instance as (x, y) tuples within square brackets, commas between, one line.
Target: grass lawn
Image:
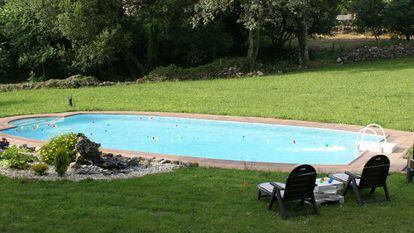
[(217, 200), (381, 92), (190, 200)]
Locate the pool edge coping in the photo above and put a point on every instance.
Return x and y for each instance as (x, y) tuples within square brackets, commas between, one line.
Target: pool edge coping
[(403, 140)]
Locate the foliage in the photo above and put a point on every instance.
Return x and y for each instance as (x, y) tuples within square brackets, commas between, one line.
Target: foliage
[(75, 81), (219, 68), (370, 15), (40, 168), (124, 39), (50, 39), (31, 33), (236, 67), (5, 60), (95, 31), (410, 153), (400, 17), (169, 38), (62, 161), (14, 157), (282, 20), (64, 142)]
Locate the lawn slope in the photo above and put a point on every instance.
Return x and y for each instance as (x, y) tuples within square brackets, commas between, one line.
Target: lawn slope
[(381, 92)]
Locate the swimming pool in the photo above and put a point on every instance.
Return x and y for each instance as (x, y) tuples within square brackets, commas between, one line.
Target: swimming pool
[(200, 138)]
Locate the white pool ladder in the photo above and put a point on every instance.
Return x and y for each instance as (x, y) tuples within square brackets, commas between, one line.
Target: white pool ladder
[(381, 145)]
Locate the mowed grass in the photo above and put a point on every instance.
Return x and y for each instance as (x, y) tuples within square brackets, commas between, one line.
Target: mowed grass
[(381, 92), (189, 200), (217, 200)]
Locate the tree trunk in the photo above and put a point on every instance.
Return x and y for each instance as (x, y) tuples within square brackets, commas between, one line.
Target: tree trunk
[(257, 44), (135, 61), (253, 46), (303, 45), (132, 68), (152, 52), (250, 48)]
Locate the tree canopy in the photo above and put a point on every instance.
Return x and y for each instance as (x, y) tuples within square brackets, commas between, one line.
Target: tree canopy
[(112, 39)]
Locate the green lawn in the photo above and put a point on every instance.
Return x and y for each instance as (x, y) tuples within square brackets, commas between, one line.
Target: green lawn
[(217, 200), (190, 200), (381, 92)]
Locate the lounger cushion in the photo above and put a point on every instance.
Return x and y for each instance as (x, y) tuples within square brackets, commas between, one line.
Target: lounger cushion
[(343, 177), (268, 188)]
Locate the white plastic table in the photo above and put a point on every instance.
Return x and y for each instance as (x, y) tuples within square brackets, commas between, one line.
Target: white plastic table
[(328, 192)]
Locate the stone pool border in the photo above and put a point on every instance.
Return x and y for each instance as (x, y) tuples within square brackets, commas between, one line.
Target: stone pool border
[(401, 138)]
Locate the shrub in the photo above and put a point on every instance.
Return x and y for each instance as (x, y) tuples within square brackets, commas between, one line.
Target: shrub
[(16, 158), (75, 81), (218, 68), (40, 168), (65, 142), (62, 161), (400, 17), (410, 153)]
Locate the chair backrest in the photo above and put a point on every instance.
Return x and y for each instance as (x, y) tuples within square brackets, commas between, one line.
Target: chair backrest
[(300, 183), (375, 172)]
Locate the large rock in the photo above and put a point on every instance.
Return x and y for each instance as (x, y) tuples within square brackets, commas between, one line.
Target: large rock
[(87, 152), (117, 162)]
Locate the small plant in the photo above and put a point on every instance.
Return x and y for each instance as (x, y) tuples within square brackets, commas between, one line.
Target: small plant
[(14, 157), (410, 153), (62, 161), (40, 168), (65, 142)]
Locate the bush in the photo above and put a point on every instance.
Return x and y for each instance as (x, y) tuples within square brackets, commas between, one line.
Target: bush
[(40, 168), (400, 17), (75, 81), (16, 158), (218, 68), (410, 153), (65, 142), (62, 161)]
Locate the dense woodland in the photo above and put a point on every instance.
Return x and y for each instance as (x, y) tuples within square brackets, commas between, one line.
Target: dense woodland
[(125, 39)]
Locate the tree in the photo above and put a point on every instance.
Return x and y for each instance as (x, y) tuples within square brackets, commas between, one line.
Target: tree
[(282, 20), (250, 14), (30, 32), (5, 61), (400, 17), (370, 16), (169, 37), (96, 30)]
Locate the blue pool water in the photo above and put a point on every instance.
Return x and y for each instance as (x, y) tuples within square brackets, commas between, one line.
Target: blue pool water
[(200, 138)]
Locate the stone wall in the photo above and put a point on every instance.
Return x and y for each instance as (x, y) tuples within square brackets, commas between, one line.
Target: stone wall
[(368, 53)]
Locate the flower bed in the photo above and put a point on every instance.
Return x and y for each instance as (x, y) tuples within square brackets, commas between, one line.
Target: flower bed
[(88, 162)]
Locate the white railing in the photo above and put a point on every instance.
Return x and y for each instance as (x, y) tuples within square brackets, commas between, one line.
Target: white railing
[(371, 128)]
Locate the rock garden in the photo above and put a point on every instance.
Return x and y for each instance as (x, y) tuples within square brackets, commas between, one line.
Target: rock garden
[(75, 157)]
